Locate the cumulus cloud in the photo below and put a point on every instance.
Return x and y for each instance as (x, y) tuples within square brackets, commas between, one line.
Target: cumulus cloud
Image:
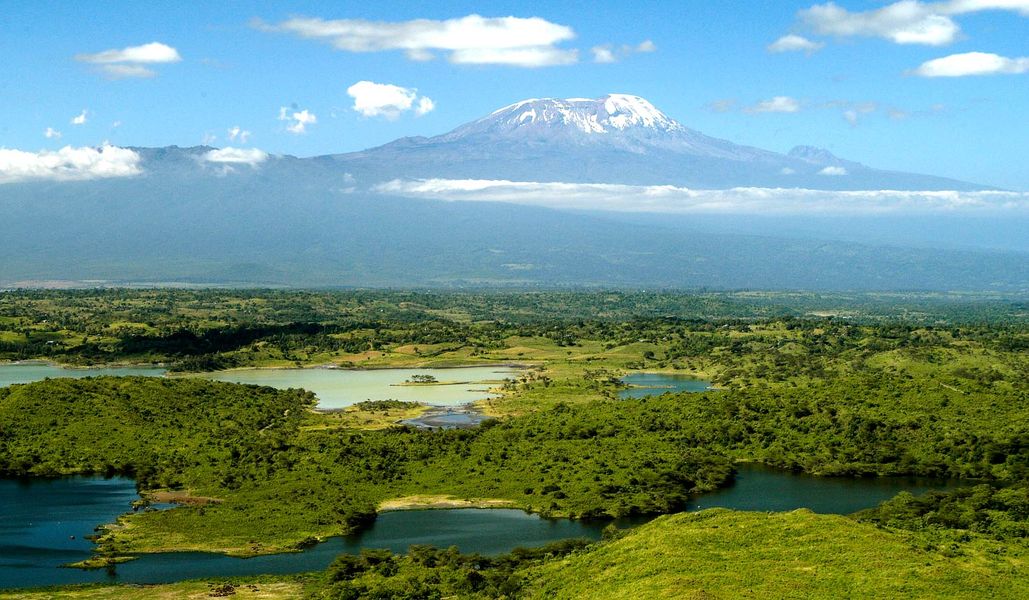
[(68, 164), (608, 53), (129, 62), (52, 134), (778, 104), (473, 39), (297, 121), (387, 100), (903, 22), (672, 199), (795, 43), (80, 119), (237, 133), (833, 171), (972, 63), (236, 156)]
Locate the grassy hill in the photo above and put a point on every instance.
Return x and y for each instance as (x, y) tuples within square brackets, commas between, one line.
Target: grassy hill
[(724, 554)]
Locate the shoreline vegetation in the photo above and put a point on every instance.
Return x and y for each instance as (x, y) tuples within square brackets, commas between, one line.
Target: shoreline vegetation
[(937, 394)]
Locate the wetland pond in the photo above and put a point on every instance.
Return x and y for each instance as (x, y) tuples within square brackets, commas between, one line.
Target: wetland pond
[(41, 515), (655, 384)]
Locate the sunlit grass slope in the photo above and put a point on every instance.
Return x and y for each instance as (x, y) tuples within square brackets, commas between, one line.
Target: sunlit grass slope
[(725, 554)]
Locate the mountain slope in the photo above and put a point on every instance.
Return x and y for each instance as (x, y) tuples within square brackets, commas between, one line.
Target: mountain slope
[(321, 221), (617, 139), (292, 222)]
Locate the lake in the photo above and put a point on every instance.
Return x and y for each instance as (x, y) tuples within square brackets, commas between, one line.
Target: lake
[(27, 372), (339, 388), (335, 388), (34, 534), (655, 384)]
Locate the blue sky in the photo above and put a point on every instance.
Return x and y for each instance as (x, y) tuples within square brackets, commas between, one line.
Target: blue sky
[(856, 81)]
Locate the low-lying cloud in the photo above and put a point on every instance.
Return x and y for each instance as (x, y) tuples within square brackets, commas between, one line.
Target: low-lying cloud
[(236, 156), (673, 199), (68, 164)]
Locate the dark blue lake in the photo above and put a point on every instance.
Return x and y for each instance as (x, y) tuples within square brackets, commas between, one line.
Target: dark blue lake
[(41, 515)]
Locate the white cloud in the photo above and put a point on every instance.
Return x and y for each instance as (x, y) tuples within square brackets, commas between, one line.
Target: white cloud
[(972, 63), (80, 119), (833, 171), (129, 62), (297, 121), (603, 54), (236, 133), (524, 42), (787, 171), (778, 104), (515, 57), (795, 43), (52, 134), (607, 53), (68, 164), (903, 22), (208, 138), (236, 156), (672, 199), (425, 106), (387, 100)]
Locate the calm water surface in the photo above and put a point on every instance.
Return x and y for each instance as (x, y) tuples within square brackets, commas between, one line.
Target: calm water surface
[(655, 384), (335, 388), (11, 373), (338, 388), (41, 515)]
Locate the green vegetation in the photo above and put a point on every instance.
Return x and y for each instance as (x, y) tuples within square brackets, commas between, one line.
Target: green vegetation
[(942, 391)]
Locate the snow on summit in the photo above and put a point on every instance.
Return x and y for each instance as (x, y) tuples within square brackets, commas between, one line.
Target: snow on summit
[(600, 115)]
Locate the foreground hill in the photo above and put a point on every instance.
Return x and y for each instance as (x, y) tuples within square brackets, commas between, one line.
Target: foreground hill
[(724, 554)]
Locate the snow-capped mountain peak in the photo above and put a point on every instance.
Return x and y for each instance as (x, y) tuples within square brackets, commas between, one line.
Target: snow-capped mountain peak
[(610, 113)]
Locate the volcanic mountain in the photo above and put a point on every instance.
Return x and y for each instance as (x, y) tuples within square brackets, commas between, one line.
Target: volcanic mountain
[(618, 138), (243, 217)]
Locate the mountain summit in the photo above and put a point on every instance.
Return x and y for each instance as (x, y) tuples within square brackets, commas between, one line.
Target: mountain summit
[(617, 138), (611, 113)]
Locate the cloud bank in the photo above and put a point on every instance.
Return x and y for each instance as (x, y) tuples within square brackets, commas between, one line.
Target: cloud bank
[(387, 100), (672, 199), (68, 164), (130, 62), (513, 41)]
